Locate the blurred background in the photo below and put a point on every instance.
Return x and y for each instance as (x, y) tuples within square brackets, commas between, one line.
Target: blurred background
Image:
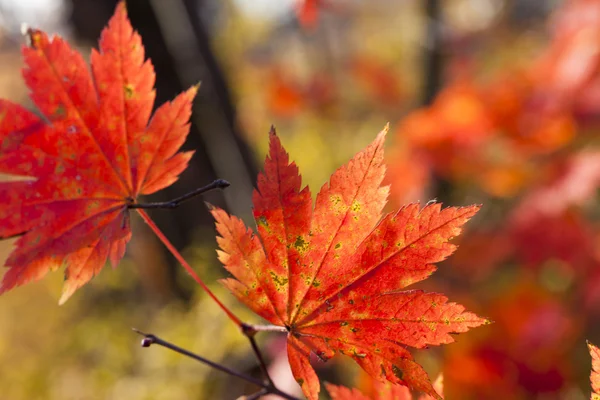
[(489, 101)]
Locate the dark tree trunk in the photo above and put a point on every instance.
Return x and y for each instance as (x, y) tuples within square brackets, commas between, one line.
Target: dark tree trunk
[(433, 66), (433, 62)]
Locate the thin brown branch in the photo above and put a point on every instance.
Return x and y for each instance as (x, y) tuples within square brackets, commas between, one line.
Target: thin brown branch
[(218, 184), (266, 388)]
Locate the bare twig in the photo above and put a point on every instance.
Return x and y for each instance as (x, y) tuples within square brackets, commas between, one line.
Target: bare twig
[(218, 184), (254, 396), (267, 388), (249, 331)]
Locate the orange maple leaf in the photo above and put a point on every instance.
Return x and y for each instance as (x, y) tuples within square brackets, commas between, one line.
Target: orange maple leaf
[(332, 276), (595, 374), (90, 158)]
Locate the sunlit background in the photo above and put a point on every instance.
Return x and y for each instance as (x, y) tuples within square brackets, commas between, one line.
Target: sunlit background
[(489, 101)]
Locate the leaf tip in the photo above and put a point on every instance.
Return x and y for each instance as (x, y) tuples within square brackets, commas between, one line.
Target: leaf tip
[(66, 294), (382, 134), (193, 90), (34, 37), (121, 6)]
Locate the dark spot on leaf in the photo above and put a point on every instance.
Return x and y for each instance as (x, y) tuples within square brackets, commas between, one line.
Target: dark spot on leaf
[(128, 91), (343, 323), (262, 220), (360, 355), (397, 371), (60, 112), (329, 306)]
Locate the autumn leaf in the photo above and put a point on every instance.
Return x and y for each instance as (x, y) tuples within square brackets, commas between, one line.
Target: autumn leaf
[(332, 276), (88, 159), (595, 375)]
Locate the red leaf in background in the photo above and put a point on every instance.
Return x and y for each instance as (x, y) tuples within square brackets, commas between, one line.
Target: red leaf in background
[(566, 237), (287, 96), (344, 393), (410, 174), (93, 157), (449, 133), (482, 251), (380, 391), (333, 275), (520, 113), (595, 374), (572, 182), (308, 12), (527, 353), (549, 222), (458, 117), (379, 81), (571, 64)]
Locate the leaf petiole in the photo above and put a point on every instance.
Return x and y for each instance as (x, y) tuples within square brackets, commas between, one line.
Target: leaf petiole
[(187, 266), (264, 328)]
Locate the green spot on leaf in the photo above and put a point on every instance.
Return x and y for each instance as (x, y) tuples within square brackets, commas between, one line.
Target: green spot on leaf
[(279, 281), (60, 111), (262, 220), (300, 244)]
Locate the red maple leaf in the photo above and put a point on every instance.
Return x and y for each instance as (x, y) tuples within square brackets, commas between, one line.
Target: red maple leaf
[(595, 374), (90, 158), (332, 276)]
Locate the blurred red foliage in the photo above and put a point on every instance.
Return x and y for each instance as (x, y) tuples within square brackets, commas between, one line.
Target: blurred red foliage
[(524, 142)]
